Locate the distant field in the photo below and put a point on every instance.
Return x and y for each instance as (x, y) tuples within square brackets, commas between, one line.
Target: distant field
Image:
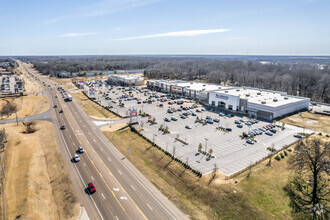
[(316, 122), (261, 196)]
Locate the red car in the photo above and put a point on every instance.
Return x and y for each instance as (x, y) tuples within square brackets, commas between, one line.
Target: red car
[(170, 103), (148, 115), (91, 188), (61, 111)]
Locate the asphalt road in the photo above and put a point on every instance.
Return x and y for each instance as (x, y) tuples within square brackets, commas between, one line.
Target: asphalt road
[(122, 191)]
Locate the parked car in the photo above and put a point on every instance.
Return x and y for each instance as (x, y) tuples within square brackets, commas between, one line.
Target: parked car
[(237, 122), (188, 127), (76, 158), (193, 114), (273, 130), (183, 117), (208, 117), (91, 188), (169, 111), (62, 127), (81, 150), (249, 141), (221, 114), (179, 109), (197, 110), (298, 136), (228, 129), (216, 120), (269, 133), (240, 126), (209, 121), (174, 118)]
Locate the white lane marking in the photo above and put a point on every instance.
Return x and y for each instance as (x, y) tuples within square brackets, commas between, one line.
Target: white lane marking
[(115, 189), (92, 177), (103, 196), (123, 197), (89, 133), (94, 140), (84, 126), (101, 149), (149, 206), (117, 218), (72, 143), (109, 159), (133, 188), (120, 172), (84, 164), (69, 135)]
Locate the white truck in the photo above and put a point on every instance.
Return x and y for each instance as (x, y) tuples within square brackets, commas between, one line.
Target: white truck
[(69, 98)]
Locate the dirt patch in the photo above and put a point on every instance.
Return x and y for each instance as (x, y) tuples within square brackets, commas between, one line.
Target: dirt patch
[(26, 105), (66, 83), (114, 127), (316, 122), (37, 183)]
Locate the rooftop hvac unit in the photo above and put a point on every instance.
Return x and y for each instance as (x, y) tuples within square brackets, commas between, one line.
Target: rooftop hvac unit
[(219, 88), (247, 95), (259, 93), (226, 91), (204, 85), (275, 100), (263, 102), (237, 90), (286, 98)]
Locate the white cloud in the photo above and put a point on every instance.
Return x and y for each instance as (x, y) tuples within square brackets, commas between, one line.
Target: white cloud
[(177, 34), (236, 38), (102, 8), (76, 34)]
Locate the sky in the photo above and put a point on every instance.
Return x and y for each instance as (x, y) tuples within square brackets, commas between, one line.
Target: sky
[(127, 27)]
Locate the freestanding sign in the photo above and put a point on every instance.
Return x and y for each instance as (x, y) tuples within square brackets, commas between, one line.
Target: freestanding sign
[(133, 115)]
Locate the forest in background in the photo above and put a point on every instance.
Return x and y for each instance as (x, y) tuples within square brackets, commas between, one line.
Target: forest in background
[(297, 76)]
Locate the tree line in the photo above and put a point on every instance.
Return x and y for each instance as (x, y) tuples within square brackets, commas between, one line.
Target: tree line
[(303, 79)]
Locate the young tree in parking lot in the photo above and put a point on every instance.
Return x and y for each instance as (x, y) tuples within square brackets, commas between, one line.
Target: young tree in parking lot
[(309, 188), (200, 147), (210, 152)]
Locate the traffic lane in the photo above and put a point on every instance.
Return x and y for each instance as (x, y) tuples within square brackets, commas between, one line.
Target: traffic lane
[(146, 203), (109, 179), (89, 174)]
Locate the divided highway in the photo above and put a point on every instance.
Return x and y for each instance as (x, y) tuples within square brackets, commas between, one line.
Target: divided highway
[(122, 192)]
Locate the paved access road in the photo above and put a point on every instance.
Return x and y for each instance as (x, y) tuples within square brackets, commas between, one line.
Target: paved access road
[(122, 191)]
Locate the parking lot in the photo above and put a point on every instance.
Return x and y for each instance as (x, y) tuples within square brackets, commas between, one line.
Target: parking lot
[(231, 152)]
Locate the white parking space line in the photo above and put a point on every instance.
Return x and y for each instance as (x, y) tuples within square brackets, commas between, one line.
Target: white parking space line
[(72, 143), (92, 177), (94, 140), (101, 149), (120, 172), (89, 133), (103, 196), (117, 218), (133, 188), (84, 164), (109, 159), (149, 207)]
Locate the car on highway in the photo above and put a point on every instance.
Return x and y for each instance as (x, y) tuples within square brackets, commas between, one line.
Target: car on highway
[(76, 158), (55, 106), (62, 127), (188, 127), (81, 150), (61, 111), (91, 188)]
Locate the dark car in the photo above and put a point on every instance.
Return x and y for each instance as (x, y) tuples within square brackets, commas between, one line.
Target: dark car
[(240, 126), (62, 127), (91, 188), (61, 111)]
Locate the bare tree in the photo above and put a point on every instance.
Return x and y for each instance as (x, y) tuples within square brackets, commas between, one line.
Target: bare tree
[(29, 127), (309, 188), (8, 109)]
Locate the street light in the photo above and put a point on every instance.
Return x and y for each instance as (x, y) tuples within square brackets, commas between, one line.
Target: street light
[(153, 138), (206, 139)]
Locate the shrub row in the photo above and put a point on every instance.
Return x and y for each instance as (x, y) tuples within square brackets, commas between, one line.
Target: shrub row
[(185, 165)]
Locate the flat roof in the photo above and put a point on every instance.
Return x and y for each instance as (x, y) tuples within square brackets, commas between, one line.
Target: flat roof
[(198, 86), (262, 97)]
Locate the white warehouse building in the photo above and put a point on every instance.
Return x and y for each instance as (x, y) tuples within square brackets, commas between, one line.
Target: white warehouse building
[(131, 79), (255, 102)]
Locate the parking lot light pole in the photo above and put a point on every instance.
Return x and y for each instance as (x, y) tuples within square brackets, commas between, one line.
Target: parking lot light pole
[(153, 138), (206, 139)]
